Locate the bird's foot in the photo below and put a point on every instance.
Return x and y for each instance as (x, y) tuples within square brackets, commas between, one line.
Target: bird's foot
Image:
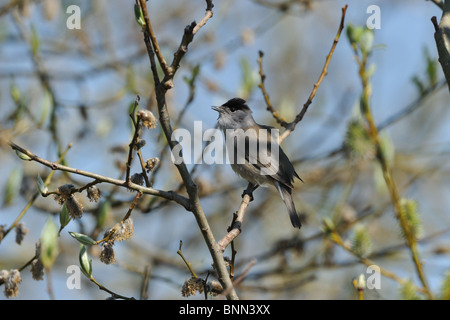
[(248, 192)]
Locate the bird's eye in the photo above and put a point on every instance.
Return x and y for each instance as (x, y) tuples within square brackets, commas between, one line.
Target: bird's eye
[(232, 109)]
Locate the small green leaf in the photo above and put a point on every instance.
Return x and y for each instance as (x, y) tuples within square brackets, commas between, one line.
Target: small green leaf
[(139, 15), (354, 33), (83, 239), (49, 244), (64, 217), (85, 262), (41, 185), (23, 156), (13, 185)]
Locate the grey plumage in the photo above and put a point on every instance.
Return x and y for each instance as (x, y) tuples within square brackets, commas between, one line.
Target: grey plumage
[(266, 157)]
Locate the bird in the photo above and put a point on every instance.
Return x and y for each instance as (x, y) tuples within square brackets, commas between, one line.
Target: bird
[(256, 157)]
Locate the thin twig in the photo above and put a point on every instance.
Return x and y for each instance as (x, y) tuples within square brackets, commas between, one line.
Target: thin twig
[(149, 29), (37, 193), (336, 238), (241, 277), (112, 293), (235, 231), (188, 265), (236, 227), (133, 142), (145, 283), (169, 195), (262, 86), (299, 117), (161, 89), (381, 157)]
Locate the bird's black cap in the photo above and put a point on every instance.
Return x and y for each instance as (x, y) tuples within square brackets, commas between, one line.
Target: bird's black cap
[(236, 104)]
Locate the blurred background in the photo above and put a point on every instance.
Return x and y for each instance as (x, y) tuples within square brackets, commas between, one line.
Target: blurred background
[(61, 86)]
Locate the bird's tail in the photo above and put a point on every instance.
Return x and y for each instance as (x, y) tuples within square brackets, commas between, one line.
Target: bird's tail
[(286, 195)]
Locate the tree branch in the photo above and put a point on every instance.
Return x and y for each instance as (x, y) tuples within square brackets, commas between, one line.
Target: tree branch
[(262, 86), (149, 31), (164, 119), (299, 117), (170, 195)]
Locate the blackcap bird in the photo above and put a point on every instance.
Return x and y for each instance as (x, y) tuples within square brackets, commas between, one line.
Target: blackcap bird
[(254, 153)]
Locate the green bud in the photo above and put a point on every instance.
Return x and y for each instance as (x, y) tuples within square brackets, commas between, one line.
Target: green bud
[(361, 243), (49, 244), (366, 41), (361, 282), (41, 185), (139, 15), (410, 213), (358, 142), (354, 33), (328, 225), (23, 156)]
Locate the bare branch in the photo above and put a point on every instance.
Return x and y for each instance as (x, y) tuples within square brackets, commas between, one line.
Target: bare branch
[(236, 227), (300, 116), (262, 86), (164, 119), (170, 195), (151, 34)]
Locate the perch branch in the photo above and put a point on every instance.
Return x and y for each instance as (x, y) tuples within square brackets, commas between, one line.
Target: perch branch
[(161, 89)]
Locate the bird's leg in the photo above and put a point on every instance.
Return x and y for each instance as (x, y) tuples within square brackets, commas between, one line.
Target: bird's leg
[(250, 188)]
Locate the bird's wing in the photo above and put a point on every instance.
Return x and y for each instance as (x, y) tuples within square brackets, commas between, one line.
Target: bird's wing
[(269, 159)]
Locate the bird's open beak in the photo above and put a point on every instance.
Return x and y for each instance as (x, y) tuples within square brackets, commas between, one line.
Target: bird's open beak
[(218, 109)]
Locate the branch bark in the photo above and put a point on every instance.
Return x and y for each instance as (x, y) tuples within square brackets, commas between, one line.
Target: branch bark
[(442, 38), (170, 195), (161, 88)]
